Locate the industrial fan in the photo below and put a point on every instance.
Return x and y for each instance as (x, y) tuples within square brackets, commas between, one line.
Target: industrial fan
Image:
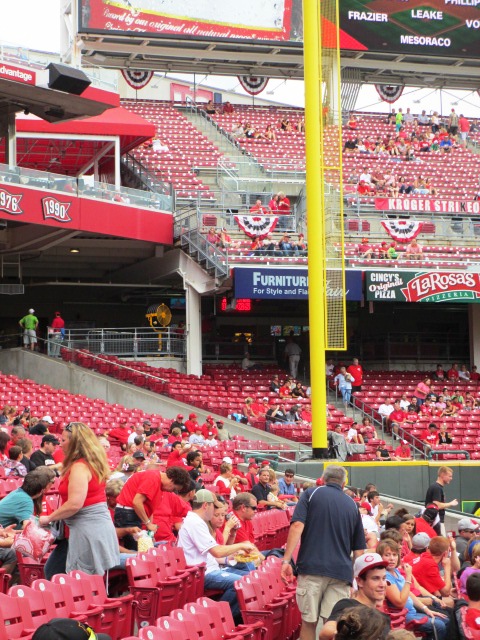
[(159, 318)]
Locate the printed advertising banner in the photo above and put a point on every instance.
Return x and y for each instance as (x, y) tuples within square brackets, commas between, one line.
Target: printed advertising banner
[(427, 205), (212, 19), (287, 284), (432, 286), (60, 209)]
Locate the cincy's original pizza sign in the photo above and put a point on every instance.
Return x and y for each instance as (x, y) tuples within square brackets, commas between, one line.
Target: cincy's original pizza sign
[(432, 286)]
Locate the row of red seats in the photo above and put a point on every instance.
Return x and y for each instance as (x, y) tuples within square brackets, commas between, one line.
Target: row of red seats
[(204, 619), (77, 595)]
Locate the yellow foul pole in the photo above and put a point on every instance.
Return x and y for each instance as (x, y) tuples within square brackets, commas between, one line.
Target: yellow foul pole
[(316, 219)]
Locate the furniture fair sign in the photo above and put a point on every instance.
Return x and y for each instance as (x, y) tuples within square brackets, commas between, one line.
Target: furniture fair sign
[(431, 286)]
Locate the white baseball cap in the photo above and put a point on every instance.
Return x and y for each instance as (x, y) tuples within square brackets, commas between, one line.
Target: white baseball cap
[(47, 419), (227, 459), (31, 311), (366, 562)]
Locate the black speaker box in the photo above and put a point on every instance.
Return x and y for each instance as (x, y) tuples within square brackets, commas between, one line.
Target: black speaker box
[(68, 79)]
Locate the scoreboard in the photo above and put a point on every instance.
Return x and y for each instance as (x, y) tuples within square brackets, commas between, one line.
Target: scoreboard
[(449, 28), (433, 27)]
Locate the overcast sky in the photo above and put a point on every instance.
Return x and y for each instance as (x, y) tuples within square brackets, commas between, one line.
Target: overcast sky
[(35, 24)]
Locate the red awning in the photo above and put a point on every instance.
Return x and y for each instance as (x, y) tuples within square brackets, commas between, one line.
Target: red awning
[(68, 156)]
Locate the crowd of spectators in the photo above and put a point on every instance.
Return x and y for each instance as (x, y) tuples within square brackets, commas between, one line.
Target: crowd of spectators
[(410, 138), (167, 499), (405, 566), (244, 130)]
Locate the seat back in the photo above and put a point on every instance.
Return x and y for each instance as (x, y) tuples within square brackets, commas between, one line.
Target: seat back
[(41, 603), (141, 573), (196, 624), (15, 618), (61, 594)]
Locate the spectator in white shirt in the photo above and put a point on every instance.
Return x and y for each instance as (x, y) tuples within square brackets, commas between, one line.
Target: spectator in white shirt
[(200, 546), (385, 409)]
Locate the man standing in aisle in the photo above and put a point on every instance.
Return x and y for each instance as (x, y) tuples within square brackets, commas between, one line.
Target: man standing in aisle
[(436, 495), (356, 371), (29, 324), (330, 528), (57, 329), (292, 354)]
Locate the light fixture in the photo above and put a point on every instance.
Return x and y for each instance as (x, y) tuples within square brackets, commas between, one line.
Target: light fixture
[(74, 250)]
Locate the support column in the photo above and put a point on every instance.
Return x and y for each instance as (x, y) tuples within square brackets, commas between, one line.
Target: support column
[(118, 181), (8, 130), (474, 331), (194, 330)]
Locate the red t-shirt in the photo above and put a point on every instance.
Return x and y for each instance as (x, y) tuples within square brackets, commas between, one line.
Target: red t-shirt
[(121, 434), (403, 451), (176, 458), (412, 416), (58, 455), (397, 416), (427, 573), (472, 619), (208, 428), (245, 532), (421, 526), (426, 410), (169, 511), (148, 483), (191, 425), (453, 373), (356, 372)]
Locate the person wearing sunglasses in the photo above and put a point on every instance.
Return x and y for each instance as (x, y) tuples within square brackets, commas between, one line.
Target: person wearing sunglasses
[(288, 490), (89, 541)]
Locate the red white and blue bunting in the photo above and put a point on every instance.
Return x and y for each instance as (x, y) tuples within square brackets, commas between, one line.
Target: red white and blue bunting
[(402, 230), (137, 79), (255, 226), (253, 84), (389, 93)]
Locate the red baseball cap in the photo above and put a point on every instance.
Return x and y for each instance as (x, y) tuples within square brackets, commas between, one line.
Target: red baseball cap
[(192, 416)]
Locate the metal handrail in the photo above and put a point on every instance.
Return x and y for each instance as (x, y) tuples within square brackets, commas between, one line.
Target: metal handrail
[(442, 452), (134, 342)]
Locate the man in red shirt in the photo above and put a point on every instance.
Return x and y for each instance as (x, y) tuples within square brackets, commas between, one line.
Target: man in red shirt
[(120, 433), (474, 375), (251, 475), (179, 451), (397, 417), (245, 507), (420, 542), (57, 327), (209, 427), (170, 512), (16, 434), (260, 407), (452, 373), (356, 371), (427, 409), (192, 423), (403, 452), (259, 209), (140, 494), (430, 435), (426, 570)]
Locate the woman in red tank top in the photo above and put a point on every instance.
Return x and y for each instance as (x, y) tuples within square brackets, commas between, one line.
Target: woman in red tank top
[(89, 543)]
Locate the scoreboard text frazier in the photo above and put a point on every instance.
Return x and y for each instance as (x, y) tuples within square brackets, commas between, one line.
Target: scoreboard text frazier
[(439, 27)]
